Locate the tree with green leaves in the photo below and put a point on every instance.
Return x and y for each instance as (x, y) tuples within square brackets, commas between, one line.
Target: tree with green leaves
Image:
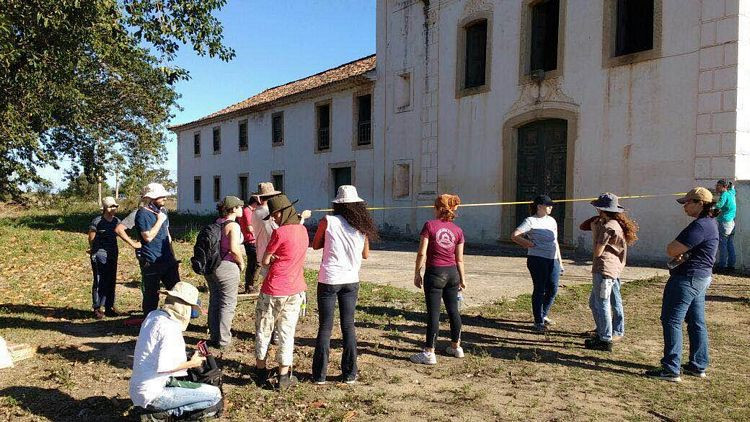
[(88, 80)]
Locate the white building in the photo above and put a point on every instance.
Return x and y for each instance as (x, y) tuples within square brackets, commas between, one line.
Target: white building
[(500, 100)]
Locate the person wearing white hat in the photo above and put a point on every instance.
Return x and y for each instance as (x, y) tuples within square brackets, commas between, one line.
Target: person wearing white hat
[(160, 357), (157, 260), (103, 251), (344, 238)]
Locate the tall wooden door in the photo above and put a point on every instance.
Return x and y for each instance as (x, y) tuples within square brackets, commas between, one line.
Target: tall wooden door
[(542, 148)]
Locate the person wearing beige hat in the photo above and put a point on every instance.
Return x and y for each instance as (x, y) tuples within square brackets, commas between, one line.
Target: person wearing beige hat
[(104, 252), (693, 253)]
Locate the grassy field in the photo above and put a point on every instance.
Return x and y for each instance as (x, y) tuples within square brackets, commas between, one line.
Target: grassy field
[(82, 370)]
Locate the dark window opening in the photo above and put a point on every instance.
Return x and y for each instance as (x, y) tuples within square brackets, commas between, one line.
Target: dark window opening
[(243, 136), (324, 126), (197, 189), (635, 26), (545, 21), (217, 139), (278, 182), (197, 143), (341, 176), (364, 119), (277, 128), (476, 54), (217, 188), (243, 194)]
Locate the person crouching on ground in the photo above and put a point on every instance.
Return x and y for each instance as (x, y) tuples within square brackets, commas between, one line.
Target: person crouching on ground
[(693, 254), (281, 295), (613, 231), (160, 356), (344, 238), (104, 253), (538, 234), (441, 247), (224, 282)]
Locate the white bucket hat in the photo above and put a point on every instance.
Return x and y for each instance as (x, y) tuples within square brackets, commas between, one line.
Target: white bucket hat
[(347, 194), (155, 190), (109, 201), (185, 292)]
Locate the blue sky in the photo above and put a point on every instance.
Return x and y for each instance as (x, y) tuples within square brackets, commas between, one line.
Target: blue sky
[(276, 42)]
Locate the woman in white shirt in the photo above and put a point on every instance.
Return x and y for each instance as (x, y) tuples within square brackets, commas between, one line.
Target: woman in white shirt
[(344, 238), (538, 234)]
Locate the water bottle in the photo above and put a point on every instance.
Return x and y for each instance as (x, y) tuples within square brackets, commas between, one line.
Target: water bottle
[(460, 299)]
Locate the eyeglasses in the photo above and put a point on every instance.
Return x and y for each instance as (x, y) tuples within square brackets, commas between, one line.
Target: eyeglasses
[(113, 206)]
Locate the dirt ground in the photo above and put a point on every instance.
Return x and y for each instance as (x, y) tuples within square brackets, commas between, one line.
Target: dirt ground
[(492, 274)]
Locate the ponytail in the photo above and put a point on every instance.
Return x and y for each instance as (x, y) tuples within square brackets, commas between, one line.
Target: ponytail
[(446, 205)]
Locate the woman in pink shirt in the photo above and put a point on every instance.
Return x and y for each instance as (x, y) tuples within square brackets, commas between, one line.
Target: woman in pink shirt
[(441, 248)]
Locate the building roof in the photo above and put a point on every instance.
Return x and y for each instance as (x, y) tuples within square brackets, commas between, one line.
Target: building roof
[(356, 69)]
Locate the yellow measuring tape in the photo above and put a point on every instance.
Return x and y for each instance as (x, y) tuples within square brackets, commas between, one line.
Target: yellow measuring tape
[(495, 204)]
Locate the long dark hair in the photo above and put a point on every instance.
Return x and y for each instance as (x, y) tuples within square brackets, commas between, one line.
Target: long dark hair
[(708, 210), (356, 214), (628, 225)]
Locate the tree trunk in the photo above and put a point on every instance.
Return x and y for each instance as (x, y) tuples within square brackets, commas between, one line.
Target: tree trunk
[(99, 188)]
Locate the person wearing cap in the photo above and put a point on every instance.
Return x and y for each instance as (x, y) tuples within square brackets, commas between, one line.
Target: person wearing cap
[(283, 289), (344, 237), (727, 207), (224, 282), (160, 357), (613, 231), (157, 260), (538, 234), (693, 253), (248, 241), (104, 252)]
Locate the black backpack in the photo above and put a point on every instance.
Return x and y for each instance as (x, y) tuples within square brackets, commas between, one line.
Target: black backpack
[(207, 250)]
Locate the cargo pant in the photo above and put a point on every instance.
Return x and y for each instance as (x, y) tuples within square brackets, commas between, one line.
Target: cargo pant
[(278, 313)]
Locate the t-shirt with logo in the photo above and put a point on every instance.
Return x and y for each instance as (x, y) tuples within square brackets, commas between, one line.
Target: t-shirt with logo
[(285, 275), (702, 238), (443, 237), (105, 240)]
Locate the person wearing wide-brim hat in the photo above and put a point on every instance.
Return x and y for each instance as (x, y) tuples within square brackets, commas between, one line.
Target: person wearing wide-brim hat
[(344, 237), (160, 357), (283, 291), (693, 253), (612, 231), (538, 234), (262, 229)]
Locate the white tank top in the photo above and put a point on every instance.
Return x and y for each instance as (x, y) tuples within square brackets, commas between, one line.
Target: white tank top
[(342, 252)]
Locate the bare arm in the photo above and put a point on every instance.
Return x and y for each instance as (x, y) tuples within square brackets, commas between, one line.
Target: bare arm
[(123, 234), (675, 249), (460, 264), (599, 249), (518, 238), (420, 262), (320, 235), (235, 244), (366, 249), (268, 258), (92, 236)]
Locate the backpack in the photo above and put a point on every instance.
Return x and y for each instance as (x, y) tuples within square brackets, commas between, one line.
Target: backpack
[(207, 250)]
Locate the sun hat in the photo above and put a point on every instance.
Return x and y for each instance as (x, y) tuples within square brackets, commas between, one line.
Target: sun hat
[(347, 194), (607, 202), (185, 292), (699, 194), (109, 201), (543, 200), (278, 203), (230, 202), (266, 189), (155, 190)]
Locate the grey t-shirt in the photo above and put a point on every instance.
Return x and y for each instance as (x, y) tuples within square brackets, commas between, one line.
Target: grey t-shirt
[(543, 232), (129, 221)]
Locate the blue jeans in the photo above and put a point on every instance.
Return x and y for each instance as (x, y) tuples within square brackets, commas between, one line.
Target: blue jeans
[(545, 273), (727, 256), (104, 267), (606, 306), (178, 400), (328, 294), (684, 300)]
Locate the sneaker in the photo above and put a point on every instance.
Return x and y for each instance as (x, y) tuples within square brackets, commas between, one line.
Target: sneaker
[(112, 312), (287, 380), (156, 417), (548, 321), (663, 375), (457, 352), (689, 369), (540, 328), (98, 314), (424, 358), (320, 382), (598, 344), (350, 379)]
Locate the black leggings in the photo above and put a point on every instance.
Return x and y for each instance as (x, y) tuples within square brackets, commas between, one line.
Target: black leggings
[(441, 282)]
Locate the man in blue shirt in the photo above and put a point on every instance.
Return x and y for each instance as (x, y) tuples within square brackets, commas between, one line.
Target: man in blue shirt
[(157, 260), (727, 207)]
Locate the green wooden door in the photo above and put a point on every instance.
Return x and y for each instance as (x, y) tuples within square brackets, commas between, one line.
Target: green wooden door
[(542, 149)]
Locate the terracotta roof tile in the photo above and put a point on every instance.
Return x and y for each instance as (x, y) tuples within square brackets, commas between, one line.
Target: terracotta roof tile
[(337, 74)]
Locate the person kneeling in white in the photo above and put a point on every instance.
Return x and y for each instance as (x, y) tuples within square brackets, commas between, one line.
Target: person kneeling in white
[(160, 355)]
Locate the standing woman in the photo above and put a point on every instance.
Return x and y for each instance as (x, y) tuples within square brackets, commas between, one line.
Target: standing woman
[(693, 254), (727, 207), (538, 234), (223, 283), (441, 246), (613, 231), (345, 240)]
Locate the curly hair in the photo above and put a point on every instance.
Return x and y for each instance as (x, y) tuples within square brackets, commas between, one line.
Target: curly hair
[(628, 225), (446, 205), (356, 214)]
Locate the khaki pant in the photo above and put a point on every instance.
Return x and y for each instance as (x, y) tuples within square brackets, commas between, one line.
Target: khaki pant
[(278, 313)]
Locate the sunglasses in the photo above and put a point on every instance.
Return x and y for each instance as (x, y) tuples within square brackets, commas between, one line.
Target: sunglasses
[(113, 206)]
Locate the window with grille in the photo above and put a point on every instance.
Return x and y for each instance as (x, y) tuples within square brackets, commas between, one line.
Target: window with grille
[(364, 119), (277, 128), (323, 112), (242, 141), (217, 140), (197, 143)]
